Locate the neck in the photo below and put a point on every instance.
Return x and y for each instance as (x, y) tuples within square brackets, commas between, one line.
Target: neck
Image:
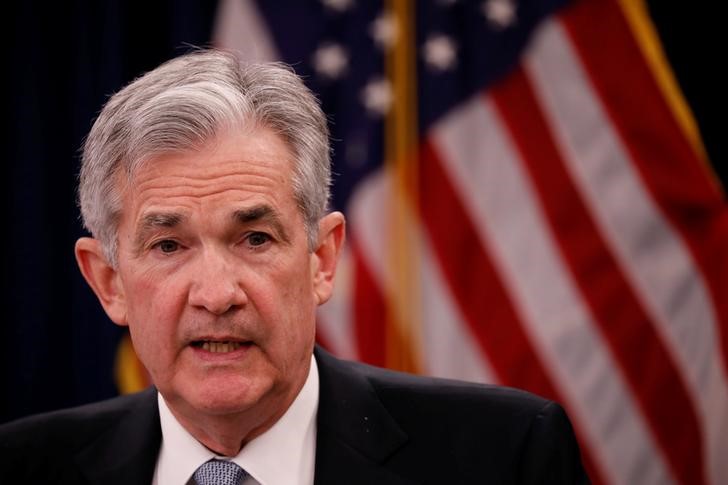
[(226, 434)]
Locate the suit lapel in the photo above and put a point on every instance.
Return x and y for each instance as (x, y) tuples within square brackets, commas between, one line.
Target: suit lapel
[(126, 453), (355, 433)]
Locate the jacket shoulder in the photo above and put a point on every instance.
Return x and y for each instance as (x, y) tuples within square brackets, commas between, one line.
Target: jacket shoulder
[(459, 428), (46, 448), (407, 390), (72, 426)]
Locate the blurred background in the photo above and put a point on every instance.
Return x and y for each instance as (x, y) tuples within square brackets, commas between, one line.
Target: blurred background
[(535, 192)]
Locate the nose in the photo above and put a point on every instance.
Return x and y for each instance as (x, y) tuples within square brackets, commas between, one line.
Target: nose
[(215, 284)]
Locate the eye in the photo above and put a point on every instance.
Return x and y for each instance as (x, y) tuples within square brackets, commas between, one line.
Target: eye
[(257, 239), (167, 246)]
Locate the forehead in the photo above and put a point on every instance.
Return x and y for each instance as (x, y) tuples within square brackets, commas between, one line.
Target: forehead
[(253, 165)]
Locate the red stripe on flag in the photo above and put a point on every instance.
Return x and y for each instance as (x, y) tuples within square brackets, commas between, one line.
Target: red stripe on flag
[(476, 287), (677, 179), (369, 311), (645, 362)]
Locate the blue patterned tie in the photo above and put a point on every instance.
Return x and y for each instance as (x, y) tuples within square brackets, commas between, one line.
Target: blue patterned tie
[(217, 472)]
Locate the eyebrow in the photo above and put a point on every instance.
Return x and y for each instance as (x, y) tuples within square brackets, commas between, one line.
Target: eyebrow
[(156, 220), (262, 213)]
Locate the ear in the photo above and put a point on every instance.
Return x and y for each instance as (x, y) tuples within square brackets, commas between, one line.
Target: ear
[(103, 279), (326, 256)]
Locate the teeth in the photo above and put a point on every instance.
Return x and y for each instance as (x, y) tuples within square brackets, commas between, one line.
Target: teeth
[(220, 347)]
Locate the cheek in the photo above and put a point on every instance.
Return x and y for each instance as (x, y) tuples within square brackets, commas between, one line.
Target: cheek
[(289, 307), (155, 292), (144, 299), (302, 308), (154, 305)]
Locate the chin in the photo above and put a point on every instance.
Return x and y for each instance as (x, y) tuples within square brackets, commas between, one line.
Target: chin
[(229, 396)]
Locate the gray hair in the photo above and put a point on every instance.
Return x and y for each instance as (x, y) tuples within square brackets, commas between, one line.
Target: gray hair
[(186, 102)]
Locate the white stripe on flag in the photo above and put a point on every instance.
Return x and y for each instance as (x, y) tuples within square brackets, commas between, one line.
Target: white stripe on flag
[(652, 255), (486, 170), (449, 348)]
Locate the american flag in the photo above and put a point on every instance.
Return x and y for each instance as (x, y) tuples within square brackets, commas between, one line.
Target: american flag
[(528, 204)]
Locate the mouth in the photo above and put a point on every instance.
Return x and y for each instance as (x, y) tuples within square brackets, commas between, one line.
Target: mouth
[(219, 346)]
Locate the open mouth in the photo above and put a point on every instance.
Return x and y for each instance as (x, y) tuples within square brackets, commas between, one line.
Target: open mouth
[(217, 347)]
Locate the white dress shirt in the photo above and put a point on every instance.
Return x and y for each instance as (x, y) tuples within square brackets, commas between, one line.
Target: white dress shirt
[(283, 455)]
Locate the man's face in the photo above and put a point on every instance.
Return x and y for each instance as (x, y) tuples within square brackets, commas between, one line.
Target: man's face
[(217, 282)]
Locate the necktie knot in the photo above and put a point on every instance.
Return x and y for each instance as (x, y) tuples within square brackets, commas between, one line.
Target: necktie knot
[(218, 472)]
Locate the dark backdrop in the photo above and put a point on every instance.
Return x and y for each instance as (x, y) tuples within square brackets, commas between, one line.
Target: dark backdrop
[(64, 61)]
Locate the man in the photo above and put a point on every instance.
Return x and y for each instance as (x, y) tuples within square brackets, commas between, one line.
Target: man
[(205, 185)]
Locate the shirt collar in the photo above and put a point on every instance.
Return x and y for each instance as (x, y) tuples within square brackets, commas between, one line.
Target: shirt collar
[(283, 454)]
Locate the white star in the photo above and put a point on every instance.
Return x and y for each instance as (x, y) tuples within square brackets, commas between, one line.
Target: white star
[(384, 30), (330, 60), (377, 96), (439, 52), (500, 13), (338, 5)]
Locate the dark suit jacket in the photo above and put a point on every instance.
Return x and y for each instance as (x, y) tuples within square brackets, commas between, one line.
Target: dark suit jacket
[(374, 427)]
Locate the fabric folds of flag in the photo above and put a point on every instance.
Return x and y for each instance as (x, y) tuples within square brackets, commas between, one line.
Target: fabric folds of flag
[(529, 204)]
